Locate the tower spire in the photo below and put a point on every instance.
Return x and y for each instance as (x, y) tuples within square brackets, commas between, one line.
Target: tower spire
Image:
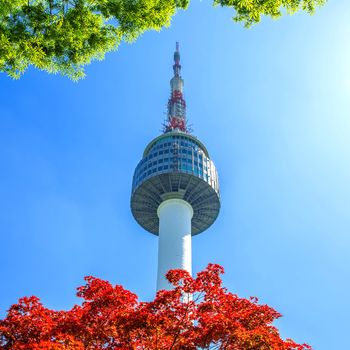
[(176, 116), (177, 66)]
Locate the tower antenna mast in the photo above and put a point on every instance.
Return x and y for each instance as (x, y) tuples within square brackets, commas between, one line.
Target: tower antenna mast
[(176, 115)]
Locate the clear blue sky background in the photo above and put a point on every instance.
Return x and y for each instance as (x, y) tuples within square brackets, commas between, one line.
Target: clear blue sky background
[(272, 106)]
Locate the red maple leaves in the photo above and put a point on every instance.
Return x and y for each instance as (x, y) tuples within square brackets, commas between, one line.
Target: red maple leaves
[(197, 314)]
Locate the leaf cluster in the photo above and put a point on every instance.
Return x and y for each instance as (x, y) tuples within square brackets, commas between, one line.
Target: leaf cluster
[(65, 35), (250, 11), (198, 313)]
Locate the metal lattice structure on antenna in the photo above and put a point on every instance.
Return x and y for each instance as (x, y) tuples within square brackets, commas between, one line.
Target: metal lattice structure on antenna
[(176, 116)]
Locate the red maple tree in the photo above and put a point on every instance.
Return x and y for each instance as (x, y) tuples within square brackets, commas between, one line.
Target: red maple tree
[(198, 313)]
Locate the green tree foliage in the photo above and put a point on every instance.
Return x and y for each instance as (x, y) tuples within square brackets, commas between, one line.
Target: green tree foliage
[(250, 11), (65, 35)]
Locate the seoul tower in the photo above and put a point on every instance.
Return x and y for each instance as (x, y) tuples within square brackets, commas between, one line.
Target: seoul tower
[(175, 189)]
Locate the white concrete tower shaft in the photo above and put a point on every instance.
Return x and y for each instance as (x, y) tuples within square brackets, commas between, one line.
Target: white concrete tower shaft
[(175, 241)]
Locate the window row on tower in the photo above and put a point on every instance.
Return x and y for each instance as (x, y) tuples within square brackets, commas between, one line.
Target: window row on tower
[(173, 141), (173, 154)]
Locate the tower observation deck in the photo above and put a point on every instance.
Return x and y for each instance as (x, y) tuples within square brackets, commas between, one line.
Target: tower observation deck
[(175, 189)]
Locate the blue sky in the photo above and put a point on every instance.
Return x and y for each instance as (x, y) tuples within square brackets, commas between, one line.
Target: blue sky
[(272, 106)]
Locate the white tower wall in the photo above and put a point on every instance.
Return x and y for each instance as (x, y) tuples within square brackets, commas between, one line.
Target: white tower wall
[(175, 243)]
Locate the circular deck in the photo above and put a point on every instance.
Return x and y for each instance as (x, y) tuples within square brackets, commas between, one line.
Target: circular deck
[(175, 165)]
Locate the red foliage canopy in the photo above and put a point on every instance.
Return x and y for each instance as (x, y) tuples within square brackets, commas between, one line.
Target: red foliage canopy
[(197, 314)]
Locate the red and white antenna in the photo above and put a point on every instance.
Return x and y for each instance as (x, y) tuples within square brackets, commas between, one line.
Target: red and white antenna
[(176, 116)]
